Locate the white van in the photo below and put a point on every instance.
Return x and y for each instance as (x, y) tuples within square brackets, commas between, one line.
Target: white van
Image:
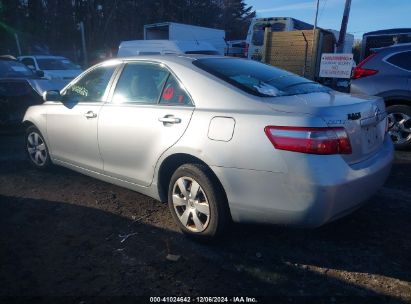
[(161, 47), (180, 31)]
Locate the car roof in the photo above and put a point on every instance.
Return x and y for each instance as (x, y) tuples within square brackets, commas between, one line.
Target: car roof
[(43, 56), (185, 60), (389, 32), (394, 47), (174, 57)]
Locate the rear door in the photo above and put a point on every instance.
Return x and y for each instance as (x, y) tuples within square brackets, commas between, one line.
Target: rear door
[(148, 113)]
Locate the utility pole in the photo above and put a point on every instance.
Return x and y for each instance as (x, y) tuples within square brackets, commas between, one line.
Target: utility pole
[(313, 40), (316, 15), (343, 30), (315, 26), (83, 42), (16, 37)]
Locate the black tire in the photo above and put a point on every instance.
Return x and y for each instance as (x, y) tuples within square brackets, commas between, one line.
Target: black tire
[(397, 111), (40, 158), (210, 190)]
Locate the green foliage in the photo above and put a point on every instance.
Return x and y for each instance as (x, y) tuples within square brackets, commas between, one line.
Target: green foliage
[(107, 22), (356, 49)]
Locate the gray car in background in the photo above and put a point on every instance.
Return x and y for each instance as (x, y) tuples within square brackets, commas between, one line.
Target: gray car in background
[(218, 138), (387, 73)]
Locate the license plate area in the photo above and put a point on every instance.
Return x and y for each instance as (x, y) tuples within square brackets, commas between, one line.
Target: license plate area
[(370, 138)]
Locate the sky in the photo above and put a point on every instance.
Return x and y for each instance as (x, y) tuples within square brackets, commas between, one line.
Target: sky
[(365, 15)]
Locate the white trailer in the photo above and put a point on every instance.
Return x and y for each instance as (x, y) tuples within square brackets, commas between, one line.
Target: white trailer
[(348, 41), (179, 31), (162, 47), (255, 34)]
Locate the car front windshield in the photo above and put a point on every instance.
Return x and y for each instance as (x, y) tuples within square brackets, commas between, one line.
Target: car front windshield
[(257, 78), (56, 64), (10, 68)]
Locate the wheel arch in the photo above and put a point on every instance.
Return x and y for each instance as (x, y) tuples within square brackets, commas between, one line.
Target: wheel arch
[(170, 164), (397, 101), (28, 123), (396, 98)]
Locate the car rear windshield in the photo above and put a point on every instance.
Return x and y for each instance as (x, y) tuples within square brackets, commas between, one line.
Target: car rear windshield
[(257, 78)]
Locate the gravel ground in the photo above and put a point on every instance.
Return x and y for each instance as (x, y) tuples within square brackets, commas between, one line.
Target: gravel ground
[(65, 234)]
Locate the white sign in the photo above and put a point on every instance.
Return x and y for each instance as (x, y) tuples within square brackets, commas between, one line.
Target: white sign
[(336, 65)]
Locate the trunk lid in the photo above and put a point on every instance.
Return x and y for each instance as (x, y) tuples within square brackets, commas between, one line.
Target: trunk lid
[(363, 117)]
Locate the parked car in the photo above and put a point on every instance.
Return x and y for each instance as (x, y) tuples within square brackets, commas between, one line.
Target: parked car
[(387, 73), (218, 138), (54, 67), (16, 91)]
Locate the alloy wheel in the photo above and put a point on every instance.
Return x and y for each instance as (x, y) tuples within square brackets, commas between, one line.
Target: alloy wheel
[(191, 204), (399, 127), (36, 148)]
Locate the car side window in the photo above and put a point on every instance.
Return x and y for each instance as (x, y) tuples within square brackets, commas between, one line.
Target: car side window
[(29, 62), (402, 60), (91, 87), (140, 83), (174, 93)]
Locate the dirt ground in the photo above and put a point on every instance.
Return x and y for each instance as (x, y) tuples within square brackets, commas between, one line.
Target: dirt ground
[(62, 234)]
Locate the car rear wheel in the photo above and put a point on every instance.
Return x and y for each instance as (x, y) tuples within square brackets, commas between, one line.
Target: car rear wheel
[(36, 149), (399, 125), (197, 202)]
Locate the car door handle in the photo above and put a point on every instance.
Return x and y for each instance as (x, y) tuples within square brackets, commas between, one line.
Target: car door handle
[(90, 114), (170, 119)]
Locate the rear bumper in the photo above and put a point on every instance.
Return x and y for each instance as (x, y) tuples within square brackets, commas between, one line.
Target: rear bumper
[(314, 190)]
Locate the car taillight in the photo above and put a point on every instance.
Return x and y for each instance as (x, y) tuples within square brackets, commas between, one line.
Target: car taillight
[(309, 140), (360, 72)]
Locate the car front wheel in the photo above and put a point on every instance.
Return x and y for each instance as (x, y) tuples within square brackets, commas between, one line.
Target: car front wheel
[(36, 148), (197, 202)]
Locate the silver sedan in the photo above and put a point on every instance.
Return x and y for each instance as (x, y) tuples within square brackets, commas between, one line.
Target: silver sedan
[(219, 139)]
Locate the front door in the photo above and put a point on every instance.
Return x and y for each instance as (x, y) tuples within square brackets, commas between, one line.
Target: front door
[(72, 123), (148, 113)]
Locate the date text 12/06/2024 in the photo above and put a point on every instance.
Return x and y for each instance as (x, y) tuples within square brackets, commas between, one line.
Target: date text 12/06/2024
[(203, 300)]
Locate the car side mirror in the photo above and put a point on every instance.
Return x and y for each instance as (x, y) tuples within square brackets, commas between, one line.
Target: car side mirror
[(40, 73), (52, 96)]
